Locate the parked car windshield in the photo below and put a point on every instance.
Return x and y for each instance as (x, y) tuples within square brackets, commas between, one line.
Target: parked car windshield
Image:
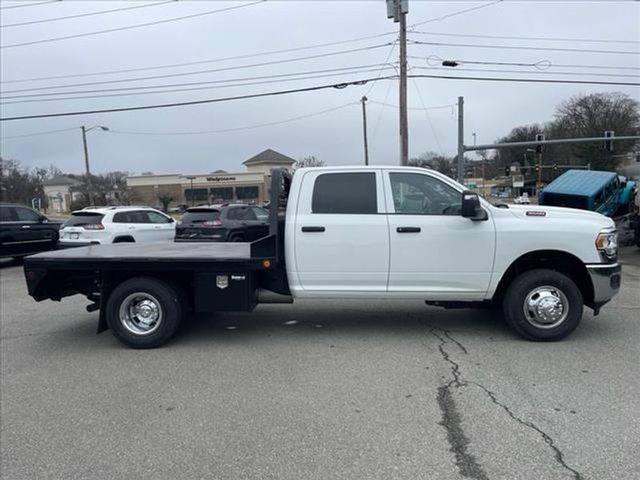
[(200, 216), (83, 218)]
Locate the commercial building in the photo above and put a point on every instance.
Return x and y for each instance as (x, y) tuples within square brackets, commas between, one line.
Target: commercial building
[(60, 192), (251, 186)]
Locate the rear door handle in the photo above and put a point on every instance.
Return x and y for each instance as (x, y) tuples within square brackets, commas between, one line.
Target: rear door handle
[(408, 229), (26, 226), (313, 229)]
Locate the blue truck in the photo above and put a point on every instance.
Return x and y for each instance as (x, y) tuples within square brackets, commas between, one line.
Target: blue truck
[(603, 192)]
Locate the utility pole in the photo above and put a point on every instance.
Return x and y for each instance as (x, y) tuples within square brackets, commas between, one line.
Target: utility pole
[(461, 140), (364, 129), (86, 166), (398, 9), (404, 124)]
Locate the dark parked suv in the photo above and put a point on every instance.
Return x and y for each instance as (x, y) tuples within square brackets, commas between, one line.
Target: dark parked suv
[(24, 231), (224, 223)]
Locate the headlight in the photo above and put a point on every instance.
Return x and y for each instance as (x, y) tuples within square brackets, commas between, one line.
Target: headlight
[(607, 244)]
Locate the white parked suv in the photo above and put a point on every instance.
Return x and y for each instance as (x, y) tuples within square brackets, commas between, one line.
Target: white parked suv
[(100, 225)]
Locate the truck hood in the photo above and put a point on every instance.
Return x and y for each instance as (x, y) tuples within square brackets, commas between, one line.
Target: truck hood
[(535, 212)]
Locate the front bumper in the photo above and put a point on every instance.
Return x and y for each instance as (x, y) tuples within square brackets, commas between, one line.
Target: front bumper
[(606, 280)]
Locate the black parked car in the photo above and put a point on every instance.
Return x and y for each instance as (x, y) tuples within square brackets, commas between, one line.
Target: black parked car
[(24, 231), (224, 223)]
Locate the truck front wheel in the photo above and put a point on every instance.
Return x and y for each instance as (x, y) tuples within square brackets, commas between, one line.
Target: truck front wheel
[(543, 305), (144, 312)]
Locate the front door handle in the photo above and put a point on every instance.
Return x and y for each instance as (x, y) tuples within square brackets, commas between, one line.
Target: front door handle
[(408, 229), (313, 229), (26, 226)]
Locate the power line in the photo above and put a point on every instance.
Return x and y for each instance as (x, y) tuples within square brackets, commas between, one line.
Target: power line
[(426, 112), (386, 61), (39, 133), (201, 102), (435, 60), (89, 14), (199, 62), (580, 74), (438, 107), (211, 82), (514, 47), (181, 90), (128, 27), (453, 14), (503, 37), (309, 89), (27, 5), (528, 80), (237, 129), (215, 70)]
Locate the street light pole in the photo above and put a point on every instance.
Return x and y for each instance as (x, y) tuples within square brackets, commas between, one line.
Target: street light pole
[(86, 166), (364, 129), (86, 159), (191, 178)]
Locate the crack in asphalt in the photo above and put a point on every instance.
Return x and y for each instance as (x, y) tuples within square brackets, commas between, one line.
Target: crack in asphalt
[(466, 462), (452, 422)]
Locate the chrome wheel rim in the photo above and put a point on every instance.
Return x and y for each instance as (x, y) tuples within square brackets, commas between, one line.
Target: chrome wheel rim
[(546, 307), (140, 313)]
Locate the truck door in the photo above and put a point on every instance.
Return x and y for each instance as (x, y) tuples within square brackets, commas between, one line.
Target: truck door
[(434, 250), (341, 233)]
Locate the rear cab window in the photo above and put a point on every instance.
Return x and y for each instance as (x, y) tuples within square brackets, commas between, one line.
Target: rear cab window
[(354, 193), (79, 219)]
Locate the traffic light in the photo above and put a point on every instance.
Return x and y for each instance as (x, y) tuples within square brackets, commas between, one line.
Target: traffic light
[(555, 166), (537, 168), (539, 138), (608, 144), (507, 171)]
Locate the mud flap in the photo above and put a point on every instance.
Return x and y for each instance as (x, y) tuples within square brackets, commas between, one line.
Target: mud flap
[(102, 321)]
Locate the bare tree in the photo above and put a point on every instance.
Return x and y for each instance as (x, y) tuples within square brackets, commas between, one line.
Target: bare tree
[(434, 161), (590, 116), (165, 199), (308, 161)]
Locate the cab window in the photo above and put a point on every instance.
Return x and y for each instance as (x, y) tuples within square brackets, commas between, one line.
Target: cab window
[(417, 194), (347, 193)]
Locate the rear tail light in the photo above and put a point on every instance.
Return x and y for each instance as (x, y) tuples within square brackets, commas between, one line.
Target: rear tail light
[(212, 223), (93, 226)]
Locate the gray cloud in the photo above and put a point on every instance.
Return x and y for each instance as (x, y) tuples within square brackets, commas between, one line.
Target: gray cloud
[(492, 109)]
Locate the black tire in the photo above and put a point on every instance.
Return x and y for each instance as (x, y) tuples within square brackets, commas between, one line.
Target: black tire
[(236, 238), (534, 288), (159, 298)]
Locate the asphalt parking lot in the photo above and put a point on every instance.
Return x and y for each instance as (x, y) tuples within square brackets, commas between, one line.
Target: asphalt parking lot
[(348, 390)]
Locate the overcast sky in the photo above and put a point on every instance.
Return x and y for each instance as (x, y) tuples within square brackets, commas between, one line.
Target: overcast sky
[(491, 108)]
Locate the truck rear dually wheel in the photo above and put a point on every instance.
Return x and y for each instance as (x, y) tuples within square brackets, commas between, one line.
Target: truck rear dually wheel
[(144, 312), (543, 305)]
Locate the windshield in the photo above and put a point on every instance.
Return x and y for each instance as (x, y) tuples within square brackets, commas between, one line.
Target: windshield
[(83, 218)]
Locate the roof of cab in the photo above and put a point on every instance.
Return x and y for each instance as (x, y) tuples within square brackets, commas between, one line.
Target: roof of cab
[(580, 182)]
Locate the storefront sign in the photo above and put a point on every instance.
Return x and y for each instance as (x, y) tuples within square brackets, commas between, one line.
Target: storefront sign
[(221, 179)]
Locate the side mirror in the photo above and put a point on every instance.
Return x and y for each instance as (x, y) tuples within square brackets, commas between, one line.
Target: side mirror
[(44, 220), (471, 207)]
